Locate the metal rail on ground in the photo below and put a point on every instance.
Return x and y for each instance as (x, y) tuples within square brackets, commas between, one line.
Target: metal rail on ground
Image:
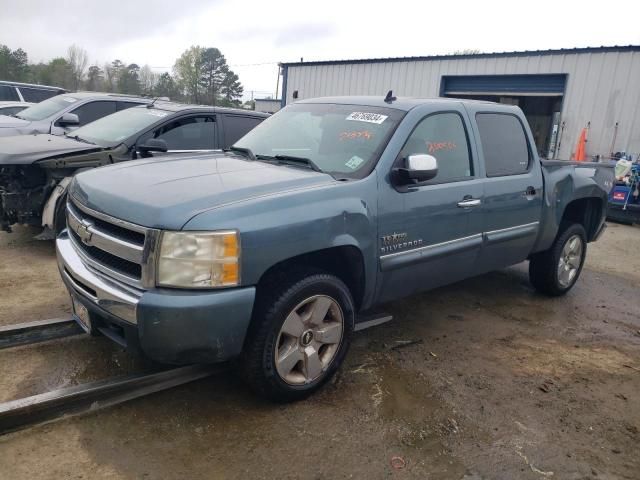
[(37, 331), (44, 407)]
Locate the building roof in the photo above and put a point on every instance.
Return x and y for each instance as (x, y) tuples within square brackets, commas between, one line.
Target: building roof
[(526, 53)]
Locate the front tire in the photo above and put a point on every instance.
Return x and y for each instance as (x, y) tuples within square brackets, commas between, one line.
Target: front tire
[(299, 337), (555, 271)]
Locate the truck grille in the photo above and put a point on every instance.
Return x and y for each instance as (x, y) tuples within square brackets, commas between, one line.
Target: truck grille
[(118, 249)]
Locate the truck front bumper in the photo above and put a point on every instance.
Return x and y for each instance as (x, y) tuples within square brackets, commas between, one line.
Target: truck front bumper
[(169, 326)]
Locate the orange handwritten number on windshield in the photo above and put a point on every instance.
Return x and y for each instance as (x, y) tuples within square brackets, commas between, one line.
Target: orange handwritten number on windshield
[(367, 135)]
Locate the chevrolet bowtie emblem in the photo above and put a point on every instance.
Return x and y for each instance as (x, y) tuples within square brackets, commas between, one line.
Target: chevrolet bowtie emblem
[(83, 232)]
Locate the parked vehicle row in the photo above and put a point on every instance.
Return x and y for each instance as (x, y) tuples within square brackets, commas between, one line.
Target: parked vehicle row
[(269, 251), (27, 92), (35, 170)]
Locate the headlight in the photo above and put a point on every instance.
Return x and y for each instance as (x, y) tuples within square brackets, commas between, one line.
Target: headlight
[(199, 259)]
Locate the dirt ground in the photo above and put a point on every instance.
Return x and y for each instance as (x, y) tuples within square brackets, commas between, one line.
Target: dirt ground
[(484, 379)]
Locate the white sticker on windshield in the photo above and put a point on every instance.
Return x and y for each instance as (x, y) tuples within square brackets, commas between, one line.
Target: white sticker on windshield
[(70, 99), (367, 117), (155, 113), (354, 162)]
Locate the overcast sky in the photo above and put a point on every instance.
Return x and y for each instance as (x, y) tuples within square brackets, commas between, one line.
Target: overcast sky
[(255, 35)]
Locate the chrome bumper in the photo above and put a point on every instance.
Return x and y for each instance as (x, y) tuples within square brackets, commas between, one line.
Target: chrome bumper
[(117, 299)]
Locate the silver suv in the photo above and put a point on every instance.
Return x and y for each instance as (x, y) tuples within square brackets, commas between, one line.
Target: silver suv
[(63, 113)]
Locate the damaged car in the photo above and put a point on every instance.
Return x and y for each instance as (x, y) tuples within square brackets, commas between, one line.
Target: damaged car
[(35, 170)]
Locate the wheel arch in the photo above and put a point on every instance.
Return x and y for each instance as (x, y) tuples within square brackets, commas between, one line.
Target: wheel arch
[(344, 261), (588, 212)]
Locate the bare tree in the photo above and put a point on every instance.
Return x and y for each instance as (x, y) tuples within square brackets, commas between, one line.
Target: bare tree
[(78, 59), (148, 80)]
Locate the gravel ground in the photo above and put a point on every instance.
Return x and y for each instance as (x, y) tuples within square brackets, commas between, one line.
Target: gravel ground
[(483, 379)]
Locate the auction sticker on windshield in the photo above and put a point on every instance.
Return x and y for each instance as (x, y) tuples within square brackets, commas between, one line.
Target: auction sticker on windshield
[(367, 117), (354, 162)]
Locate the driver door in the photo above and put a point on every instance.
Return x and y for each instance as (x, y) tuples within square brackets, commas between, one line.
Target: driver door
[(431, 232)]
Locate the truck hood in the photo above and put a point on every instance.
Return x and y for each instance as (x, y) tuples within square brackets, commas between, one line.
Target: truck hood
[(26, 149), (167, 192)]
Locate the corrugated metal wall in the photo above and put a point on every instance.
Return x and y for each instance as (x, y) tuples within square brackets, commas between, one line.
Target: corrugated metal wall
[(602, 88)]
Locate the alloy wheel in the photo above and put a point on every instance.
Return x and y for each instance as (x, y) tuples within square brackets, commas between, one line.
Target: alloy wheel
[(309, 339)]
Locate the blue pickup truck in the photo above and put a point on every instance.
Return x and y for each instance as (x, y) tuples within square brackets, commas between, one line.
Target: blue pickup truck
[(274, 251)]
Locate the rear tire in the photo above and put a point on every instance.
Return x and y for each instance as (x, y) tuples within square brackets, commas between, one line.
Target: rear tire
[(555, 271), (299, 337)]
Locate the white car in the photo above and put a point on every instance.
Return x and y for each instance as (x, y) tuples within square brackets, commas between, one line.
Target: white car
[(11, 108)]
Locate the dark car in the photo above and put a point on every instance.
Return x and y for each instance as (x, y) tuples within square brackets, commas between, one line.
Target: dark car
[(36, 169), (63, 113), (27, 92)]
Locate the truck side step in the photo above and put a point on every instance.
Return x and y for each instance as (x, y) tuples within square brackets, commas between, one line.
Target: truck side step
[(371, 319)]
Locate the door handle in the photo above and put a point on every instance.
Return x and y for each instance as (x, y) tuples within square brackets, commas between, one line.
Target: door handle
[(469, 202), (529, 192)]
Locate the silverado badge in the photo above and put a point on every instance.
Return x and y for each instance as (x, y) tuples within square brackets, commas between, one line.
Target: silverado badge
[(397, 241)]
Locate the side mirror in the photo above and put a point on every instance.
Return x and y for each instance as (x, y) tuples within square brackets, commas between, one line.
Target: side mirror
[(69, 120), (153, 145), (420, 167)]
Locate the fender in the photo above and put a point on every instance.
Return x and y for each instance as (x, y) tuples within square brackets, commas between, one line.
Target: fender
[(49, 212)]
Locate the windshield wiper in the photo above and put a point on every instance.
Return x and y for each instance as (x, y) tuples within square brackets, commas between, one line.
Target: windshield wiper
[(244, 151), (78, 139), (291, 159)]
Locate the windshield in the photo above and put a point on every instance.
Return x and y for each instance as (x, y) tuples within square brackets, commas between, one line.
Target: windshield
[(115, 128), (46, 108), (342, 140)]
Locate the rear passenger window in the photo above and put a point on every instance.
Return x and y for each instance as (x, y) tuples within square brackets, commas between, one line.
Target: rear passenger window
[(443, 136), (36, 95), (125, 105), (504, 144), (8, 93), (92, 111), (236, 127)]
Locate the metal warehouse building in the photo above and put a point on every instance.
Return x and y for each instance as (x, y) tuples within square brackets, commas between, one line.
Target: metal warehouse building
[(560, 91)]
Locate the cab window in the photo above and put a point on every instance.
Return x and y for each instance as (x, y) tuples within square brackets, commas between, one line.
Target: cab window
[(444, 137), (504, 144)]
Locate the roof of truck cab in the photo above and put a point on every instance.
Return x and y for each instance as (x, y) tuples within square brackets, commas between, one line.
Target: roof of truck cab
[(115, 96), (180, 107), (400, 103)]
